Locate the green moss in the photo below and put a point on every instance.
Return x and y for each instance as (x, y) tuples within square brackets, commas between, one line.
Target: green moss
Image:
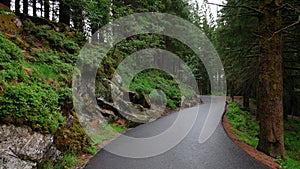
[(7, 23), (72, 138)]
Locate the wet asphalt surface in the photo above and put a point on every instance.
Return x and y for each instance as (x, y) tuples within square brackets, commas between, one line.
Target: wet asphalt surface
[(218, 152)]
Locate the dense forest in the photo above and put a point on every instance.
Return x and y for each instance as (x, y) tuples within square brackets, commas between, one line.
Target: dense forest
[(257, 41)]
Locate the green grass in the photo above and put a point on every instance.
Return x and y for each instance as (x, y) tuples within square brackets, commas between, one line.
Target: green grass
[(108, 131), (92, 149), (119, 129), (70, 160), (292, 142), (288, 163), (244, 126), (247, 130)]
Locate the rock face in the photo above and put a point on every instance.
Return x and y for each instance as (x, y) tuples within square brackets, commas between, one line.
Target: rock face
[(135, 108), (22, 148), (118, 105), (141, 99)]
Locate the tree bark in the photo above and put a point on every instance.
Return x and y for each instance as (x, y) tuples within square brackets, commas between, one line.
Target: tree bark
[(270, 89), (78, 19), (17, 6), (231, 91), (25, 7), (47, 9), (64, 12), (34, 7), (246, 100)]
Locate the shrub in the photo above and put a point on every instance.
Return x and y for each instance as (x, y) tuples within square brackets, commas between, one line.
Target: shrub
[(9, 51), (12, 71), (147, 81), (71, 46), (32, 105)]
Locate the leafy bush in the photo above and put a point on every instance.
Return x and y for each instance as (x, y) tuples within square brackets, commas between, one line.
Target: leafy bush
[(71, 46), (14, 75), (147, 81), (54, 38), (31, 105), (9, 51)]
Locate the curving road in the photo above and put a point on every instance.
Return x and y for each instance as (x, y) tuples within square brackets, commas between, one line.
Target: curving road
[(218, 152)]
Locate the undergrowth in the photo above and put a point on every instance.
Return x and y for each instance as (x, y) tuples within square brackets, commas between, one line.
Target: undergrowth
[(150, 81), (246, 128), (243, 125), (36, 67)]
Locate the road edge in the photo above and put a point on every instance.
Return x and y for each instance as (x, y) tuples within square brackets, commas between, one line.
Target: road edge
[(253, 152)]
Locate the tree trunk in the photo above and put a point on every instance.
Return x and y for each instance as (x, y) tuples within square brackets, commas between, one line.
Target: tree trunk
[(64, 13), (47, 9), (231, 90), (25, 7), (231, 94), (17, 6), (78, 19), (34, 7), (270, 89), (6, 3), (246, 100)]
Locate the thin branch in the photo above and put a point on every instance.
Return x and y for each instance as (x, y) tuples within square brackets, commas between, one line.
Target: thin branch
[(254, 14), (237, 6), (292, 68), (291, 25), (292, 7), (249, 57)]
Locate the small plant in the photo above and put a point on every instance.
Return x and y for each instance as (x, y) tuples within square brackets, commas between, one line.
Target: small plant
[(92, 149), (117, 128), (70, 160)]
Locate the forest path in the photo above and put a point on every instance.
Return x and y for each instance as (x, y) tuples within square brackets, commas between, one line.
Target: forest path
[(217, 152)]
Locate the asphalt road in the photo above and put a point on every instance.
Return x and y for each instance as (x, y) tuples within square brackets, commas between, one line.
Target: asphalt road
[(217, 152)]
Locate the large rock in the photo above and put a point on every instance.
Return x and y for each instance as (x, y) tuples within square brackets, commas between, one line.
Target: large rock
[(10, 24), (187, 102), (20, 147), (142, 99), (128, 110), (126, 104)]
